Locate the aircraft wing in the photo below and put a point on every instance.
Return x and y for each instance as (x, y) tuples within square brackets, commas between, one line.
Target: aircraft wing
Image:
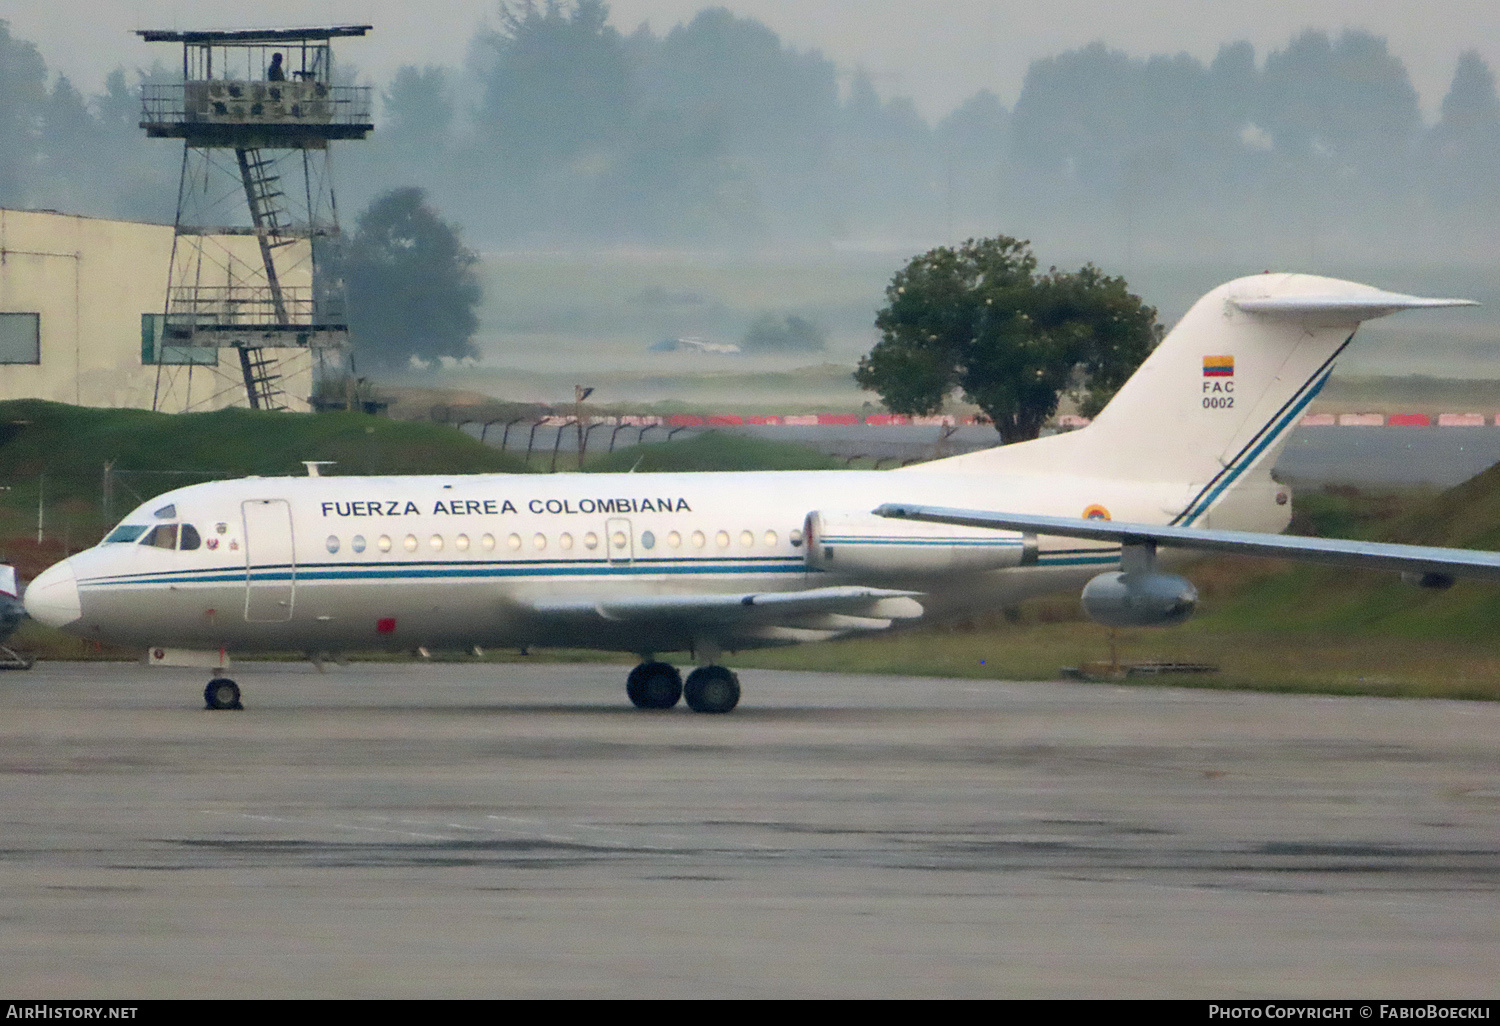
[(773, 616), (1414, 559)]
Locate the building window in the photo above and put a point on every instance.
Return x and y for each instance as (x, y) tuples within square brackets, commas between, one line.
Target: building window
[(151, 347), (20, 338)]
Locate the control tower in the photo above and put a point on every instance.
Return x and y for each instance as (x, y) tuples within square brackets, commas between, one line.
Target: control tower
[(257, 110)]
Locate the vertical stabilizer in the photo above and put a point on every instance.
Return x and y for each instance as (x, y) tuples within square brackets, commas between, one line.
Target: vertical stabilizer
[(1213, 405)]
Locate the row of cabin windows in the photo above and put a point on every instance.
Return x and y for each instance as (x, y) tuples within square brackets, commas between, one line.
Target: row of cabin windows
[(21, 342), (619, 541), (185, 538)]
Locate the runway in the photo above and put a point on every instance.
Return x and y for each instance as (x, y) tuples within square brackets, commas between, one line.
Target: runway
[(517, 830)]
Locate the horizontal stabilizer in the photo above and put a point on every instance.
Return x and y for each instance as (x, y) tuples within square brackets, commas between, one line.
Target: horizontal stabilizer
[(1361, 306), (1415, 559)]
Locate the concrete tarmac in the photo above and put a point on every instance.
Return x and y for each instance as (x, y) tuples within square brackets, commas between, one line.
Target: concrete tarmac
[(518, 830)]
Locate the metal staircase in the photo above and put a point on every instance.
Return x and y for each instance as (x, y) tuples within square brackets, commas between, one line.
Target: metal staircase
[(271, 221), (260, 370)]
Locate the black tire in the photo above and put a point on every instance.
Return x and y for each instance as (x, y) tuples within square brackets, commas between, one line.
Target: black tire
[(712, 689), (654, 686), (222, 693)]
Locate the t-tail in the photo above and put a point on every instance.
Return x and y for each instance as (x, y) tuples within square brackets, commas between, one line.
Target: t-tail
[(1213, 405)]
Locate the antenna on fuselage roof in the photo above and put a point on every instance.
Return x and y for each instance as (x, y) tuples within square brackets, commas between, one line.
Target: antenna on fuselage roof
[(313, 465)]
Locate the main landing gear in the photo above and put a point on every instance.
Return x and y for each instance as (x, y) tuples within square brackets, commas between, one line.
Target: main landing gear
[(222, 693), (709, 689)]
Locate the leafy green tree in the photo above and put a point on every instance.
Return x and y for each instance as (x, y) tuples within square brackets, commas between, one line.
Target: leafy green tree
[(979, 320), (411, 283)]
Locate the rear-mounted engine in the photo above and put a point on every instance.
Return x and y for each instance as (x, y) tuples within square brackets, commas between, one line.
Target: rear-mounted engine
[(860, 543)]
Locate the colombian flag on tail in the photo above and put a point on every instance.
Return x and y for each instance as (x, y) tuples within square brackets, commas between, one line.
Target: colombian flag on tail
[(1218, 366)]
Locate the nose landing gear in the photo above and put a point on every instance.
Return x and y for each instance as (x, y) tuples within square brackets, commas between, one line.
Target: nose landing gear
[(222, 693)]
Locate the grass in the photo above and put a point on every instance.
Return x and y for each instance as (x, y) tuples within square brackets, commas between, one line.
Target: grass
[(710, 451)]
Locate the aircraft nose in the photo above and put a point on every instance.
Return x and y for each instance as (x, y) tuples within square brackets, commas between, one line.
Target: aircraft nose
[(52, 598)]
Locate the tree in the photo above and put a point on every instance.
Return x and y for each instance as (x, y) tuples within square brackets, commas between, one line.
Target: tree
[(558, 86), (411, 283), (978, 319), (23, 102)]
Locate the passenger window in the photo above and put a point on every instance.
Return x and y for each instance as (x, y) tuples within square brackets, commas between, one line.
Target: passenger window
[(461, 543), (333, 543), (540, 541), (723, 539), (674, 539), (410, 543), (747, 538), (566, 542), (488, 541), (648, 540), (796, 539), (770, 539), (358, 543), (591, 540), (189, 539), (384, 544), (514, 541), (436, 541), (698, 540)]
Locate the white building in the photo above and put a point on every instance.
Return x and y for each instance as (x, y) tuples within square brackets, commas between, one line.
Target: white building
[(80, 310)]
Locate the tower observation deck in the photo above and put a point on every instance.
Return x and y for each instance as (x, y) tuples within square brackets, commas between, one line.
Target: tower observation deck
[(257, 111)]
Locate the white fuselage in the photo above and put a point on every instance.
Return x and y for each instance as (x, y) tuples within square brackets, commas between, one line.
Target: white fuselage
[(329, 563)]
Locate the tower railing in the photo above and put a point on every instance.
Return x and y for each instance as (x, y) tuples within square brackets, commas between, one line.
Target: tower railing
[(176, 110)]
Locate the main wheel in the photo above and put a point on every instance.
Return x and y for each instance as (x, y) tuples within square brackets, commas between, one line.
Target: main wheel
[(654, 686), (222, 693), (712, 689)]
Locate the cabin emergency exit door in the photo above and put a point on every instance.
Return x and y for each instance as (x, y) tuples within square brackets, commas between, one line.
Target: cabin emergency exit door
[(270, 560)]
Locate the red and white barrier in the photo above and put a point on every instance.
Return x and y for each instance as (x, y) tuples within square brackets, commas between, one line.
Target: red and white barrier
[(1461, 420)]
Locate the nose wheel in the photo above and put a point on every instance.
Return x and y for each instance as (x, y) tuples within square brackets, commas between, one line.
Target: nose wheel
[(222, 693)]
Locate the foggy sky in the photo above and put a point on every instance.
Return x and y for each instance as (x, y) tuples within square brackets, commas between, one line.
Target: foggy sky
[(936, 51)]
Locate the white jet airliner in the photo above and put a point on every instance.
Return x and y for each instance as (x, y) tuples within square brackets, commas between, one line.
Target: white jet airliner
[(717, 562)]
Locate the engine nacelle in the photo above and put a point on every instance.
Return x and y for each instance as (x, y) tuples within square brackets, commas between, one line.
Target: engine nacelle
[(861, 543), (1139, 599), (1435, 582)]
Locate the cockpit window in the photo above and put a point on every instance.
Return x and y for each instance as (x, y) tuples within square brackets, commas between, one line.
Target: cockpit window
[(166, 512), (162, 536), (125, 533), (189, 539)]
